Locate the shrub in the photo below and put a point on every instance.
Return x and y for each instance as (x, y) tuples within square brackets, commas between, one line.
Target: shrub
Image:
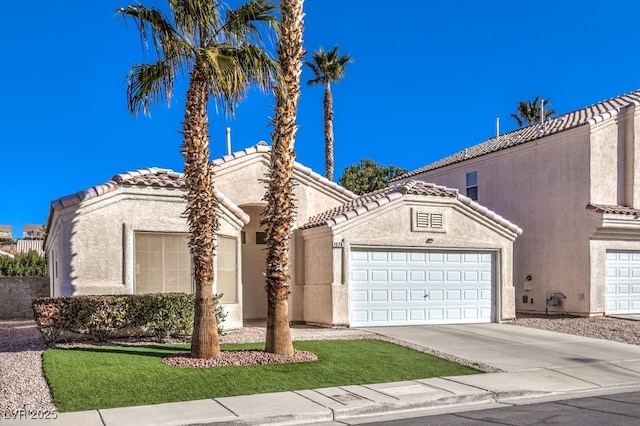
[(161, 315), (23, 265)]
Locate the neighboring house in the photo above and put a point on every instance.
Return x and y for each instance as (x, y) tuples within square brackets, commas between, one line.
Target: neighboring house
[(25, 246), (573, 184), (129, 235), (33, 232), (5, 232)]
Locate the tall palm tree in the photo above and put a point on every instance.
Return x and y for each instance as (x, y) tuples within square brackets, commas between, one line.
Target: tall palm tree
[(278, 215), (529, 112), (223, 58), (328, 67)]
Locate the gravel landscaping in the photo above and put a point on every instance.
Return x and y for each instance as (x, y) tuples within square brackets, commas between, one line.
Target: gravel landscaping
[(22, 384)]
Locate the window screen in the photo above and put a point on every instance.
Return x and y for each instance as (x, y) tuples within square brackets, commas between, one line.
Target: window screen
[(163, 263), (227, 270)]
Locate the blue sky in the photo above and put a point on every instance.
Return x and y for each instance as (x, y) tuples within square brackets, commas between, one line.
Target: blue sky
[(428, 79)]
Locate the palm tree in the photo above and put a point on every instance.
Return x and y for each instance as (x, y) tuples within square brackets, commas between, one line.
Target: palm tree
[(278, 214), (223, 59), (529, 112), (328, 67)]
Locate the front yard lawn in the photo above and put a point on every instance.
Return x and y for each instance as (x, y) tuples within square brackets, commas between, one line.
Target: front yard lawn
[(118, 376)]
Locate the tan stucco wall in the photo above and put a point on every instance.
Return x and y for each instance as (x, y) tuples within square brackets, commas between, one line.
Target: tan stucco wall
[(94, 241), (389, 226), (242, 181)]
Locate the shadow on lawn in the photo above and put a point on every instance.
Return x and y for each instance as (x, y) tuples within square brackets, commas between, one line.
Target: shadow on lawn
[(152, 350)]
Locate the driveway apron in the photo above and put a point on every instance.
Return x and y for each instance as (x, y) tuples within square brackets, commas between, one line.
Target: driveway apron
[(511, 347)]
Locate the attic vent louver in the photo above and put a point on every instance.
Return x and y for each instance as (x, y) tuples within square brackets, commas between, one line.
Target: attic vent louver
[(427, 221), (422, 220), (437, 220)]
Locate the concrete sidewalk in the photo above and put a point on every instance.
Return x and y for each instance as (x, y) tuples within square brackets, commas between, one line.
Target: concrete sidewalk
[(539, 365)]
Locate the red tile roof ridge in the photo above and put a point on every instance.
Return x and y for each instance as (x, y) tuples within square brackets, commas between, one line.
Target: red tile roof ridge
[(591, 115), (263, 148)]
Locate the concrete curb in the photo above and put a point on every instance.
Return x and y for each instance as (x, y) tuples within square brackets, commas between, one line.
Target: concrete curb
[(326, 405)]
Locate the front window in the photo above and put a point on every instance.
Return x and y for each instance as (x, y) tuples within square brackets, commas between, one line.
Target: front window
[(472, 185), (163, 263), (227, 272)]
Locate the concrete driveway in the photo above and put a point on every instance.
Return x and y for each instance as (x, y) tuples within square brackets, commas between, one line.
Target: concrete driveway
[(515, 348)]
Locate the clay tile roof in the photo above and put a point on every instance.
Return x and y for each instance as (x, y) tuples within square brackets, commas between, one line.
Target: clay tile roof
[(154, 176), (263, 148), (375, 199), (151, 177), (599, 208), (589, 115)]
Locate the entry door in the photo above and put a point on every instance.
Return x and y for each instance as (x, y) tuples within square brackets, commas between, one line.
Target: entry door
[(414, 287)]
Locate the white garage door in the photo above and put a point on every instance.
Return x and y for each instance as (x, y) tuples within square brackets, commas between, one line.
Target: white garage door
[(623, 283), (390, 287)]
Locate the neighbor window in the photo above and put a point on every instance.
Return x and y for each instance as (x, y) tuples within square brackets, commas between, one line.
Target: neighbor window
[(163, 263), (261, 237), (227, 283), (472, 185)]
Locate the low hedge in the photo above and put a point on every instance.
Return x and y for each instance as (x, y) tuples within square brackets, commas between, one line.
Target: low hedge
[(161, 315)]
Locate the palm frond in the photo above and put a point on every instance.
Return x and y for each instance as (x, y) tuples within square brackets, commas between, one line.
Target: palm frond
[(242, 23), (328, 67), (149, 83), (196, 18)]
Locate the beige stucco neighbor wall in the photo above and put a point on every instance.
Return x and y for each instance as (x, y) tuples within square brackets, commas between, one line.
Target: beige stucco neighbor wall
[(91, 244), (389, 226), (242, 181)]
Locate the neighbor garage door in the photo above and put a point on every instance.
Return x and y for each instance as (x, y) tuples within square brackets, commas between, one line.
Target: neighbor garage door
[(623, 283), (412, 287)]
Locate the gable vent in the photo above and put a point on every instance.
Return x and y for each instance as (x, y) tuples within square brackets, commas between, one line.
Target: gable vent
[(437, 220), (422, 220)]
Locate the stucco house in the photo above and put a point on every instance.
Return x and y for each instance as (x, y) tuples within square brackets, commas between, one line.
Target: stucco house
[(573, 184), (129, 235)]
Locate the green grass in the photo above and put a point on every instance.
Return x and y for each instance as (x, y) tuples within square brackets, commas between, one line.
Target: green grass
[(120, 376)]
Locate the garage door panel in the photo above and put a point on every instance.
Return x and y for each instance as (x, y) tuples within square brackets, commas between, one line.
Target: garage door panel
[(399, 276), (359, 275), (398, 315), (454, 313), (622, 283), (398, 256), (378, 296), (458, 287), (359, 296), (454, 295), (378, 256), (417, 276), (398, 296), (434, 295), (416, 295), (417, 315), (436, 276), (453, 276), (472, 295), (380, 276), (379, 316)]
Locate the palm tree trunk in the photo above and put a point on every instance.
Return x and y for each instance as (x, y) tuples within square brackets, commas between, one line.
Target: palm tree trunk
[(201, 210), (328, 131), (278, 215)]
